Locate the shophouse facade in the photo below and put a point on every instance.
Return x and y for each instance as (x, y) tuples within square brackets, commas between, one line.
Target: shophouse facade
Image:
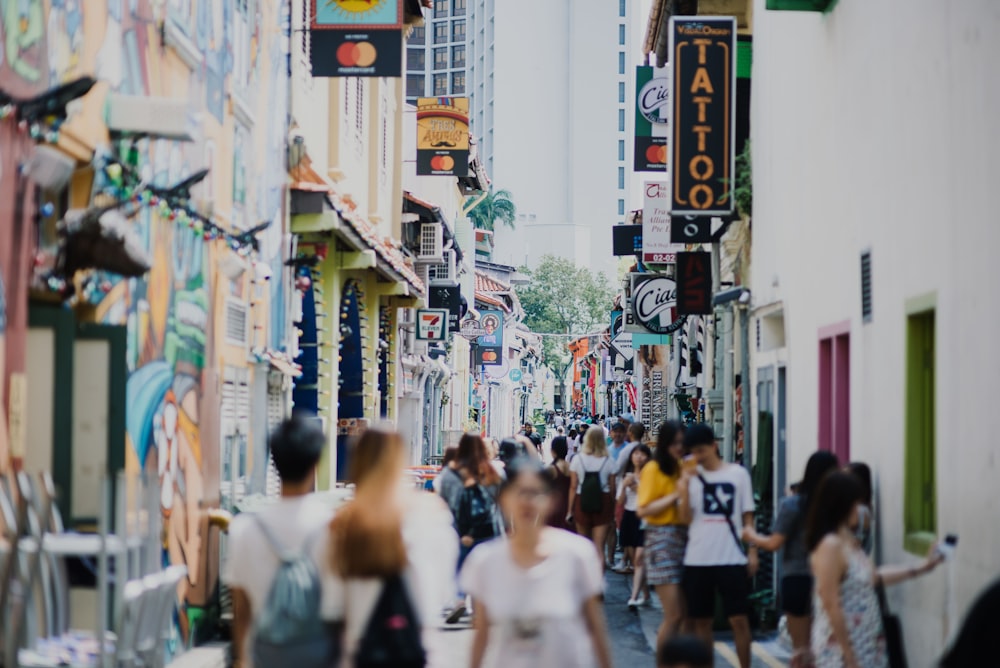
[(890, 362)]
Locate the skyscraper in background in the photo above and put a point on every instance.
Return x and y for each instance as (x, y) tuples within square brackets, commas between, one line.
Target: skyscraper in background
[(553, 114), (435, 53)]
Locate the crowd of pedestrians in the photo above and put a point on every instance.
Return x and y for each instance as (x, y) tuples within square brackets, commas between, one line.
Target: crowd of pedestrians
[(516, 542)]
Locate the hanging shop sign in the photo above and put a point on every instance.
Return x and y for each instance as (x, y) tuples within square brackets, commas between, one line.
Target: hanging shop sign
[(432, 324), (703, 123), (443, 136), (489, 345), (621, 341), (652, 118), (657, 247), (515, 375), (472, 329), (690, 230), (654, 303), (626, 239), (694, 283), (652, 372), (356, 38), (447, 297)]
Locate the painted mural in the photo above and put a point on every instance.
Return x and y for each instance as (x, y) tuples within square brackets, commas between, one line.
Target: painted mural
[(175, 350)]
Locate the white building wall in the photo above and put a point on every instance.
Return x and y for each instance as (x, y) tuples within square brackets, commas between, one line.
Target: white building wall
[(875, 128)]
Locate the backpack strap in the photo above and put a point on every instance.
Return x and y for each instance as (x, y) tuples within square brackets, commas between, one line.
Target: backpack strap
[(283, 553)]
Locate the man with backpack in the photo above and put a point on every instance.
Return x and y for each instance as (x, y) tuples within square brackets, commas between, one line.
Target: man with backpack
[(719, 503), (276, 567)]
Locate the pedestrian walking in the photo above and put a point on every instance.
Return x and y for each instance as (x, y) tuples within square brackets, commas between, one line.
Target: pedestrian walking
[(631, 530), (258, 546), (537, 595), (661, 489), (615, 447), (592, 491), (847, 630), (719, 499), (472, 502), (449, 469), (395, 550), (789, 532), (572, 443), (865, 530), (636, 435), (559, 472)]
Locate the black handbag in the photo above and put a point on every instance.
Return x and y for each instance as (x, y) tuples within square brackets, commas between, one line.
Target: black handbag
[(893, 630)]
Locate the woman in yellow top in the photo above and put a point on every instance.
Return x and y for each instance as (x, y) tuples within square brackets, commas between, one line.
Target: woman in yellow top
[(661, 484)]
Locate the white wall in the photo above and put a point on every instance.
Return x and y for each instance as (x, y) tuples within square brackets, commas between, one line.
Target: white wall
[(875, 127)]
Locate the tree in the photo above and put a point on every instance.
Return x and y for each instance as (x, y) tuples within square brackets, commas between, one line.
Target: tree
[(561, 298), (496, 205)]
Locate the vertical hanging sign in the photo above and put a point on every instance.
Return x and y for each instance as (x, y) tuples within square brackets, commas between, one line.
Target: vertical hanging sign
[(356, 38), (652, 118), (443, 136), (703, 122), (657, 247)]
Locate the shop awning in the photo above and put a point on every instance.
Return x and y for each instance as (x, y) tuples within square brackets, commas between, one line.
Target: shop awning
[(391, 260)]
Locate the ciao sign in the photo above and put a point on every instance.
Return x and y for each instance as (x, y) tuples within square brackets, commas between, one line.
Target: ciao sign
[(654, 303), (654, 100), (703, 51)]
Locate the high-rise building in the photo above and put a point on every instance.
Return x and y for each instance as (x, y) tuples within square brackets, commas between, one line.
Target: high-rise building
[(435, 53)]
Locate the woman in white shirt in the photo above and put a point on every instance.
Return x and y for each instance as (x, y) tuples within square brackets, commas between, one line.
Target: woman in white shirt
[(632, 535), (537, 592), (592, 521), (388, 530)]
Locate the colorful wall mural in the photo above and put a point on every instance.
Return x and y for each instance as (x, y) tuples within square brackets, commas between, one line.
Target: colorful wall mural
[(177, 344)]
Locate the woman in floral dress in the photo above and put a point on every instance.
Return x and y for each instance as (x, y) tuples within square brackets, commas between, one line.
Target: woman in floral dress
[(847, 627)]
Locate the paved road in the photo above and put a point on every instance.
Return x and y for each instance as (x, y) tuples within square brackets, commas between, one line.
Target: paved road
[(632, 637)]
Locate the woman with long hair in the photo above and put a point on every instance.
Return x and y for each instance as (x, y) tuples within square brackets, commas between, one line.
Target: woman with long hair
[(389, 539), (847, 627), (592, 490), (789, 532), (558, 470), (661, 486), (537, 594), (631, 531)]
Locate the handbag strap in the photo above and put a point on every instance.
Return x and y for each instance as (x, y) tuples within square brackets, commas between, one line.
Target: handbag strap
[(729, 519), (883, 603)]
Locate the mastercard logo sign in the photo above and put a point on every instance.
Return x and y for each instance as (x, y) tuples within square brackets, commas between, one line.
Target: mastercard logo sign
[(442, 163), (489, 356), (356, 54), (656, 155)]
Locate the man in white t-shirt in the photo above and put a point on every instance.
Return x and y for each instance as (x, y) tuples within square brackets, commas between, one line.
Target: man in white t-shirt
[(719, 502), (298, 520)]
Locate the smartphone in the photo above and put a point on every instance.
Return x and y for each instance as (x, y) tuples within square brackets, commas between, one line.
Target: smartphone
[(947, 548)]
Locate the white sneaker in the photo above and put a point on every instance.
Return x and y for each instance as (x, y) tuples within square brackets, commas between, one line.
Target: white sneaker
[(633, 604), (642, 600)]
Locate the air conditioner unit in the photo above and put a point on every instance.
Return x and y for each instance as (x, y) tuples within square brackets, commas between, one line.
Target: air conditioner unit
[(444, 272), (431, 249)]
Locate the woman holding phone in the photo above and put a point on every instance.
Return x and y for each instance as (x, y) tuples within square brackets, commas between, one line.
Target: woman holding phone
[(847, 629)]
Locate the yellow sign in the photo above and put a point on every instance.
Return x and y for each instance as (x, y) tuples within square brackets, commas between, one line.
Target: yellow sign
[(443, 136)]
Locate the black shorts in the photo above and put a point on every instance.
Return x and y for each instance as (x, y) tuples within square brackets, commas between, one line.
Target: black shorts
[(702, 582), (796, 595)]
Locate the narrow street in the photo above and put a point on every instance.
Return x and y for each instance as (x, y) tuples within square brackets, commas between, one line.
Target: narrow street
[(632, 636)]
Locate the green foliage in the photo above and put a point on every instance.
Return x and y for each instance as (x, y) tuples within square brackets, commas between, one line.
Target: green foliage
[(497, 205), (743, 193), (565, 299)]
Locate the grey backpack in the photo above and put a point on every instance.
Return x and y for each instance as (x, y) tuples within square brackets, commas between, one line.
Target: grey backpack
[(289, 630)]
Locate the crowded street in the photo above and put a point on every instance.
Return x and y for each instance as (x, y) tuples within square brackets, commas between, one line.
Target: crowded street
[(499, 333)]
